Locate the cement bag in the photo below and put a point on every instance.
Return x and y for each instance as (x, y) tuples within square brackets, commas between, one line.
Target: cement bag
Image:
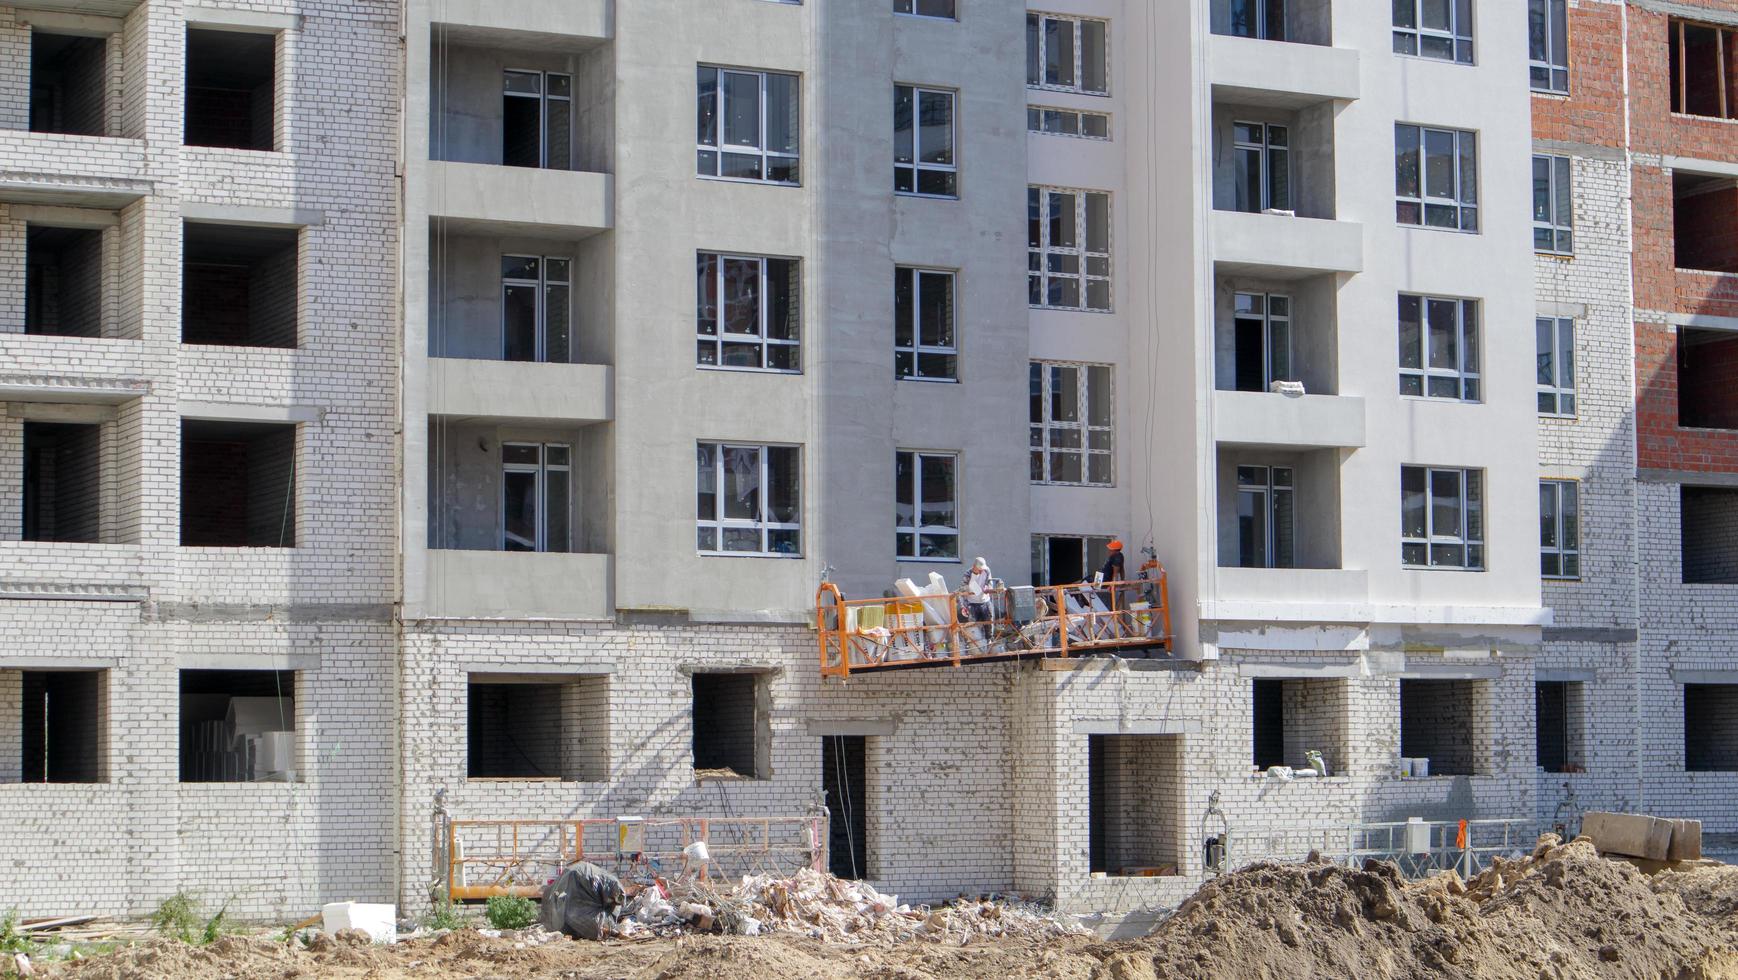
[(582, 903)]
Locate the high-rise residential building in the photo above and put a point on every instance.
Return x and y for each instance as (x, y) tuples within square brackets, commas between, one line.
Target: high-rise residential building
[(423, 415)]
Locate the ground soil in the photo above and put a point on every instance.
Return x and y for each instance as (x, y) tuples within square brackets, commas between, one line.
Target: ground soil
[(1565, 912)]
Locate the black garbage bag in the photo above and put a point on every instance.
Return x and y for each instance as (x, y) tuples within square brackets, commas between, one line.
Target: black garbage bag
[(582, 903)]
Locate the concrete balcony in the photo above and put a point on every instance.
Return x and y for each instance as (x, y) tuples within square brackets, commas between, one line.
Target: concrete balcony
[(474, 198), (519, 585), (1327, 595), (521, 392), (1259, 419), (76, 171), (528, 25), (1280, 74), (1280, 246)]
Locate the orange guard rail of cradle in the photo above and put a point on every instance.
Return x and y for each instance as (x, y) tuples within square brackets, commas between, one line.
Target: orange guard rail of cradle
[(858, 635)]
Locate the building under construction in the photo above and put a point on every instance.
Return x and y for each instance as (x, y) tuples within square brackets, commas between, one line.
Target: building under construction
[(391, 518)]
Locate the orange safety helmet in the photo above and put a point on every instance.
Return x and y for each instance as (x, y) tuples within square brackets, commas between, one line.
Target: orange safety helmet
[(1115, 545)]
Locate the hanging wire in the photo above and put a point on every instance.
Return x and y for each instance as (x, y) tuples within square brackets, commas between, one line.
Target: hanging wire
[(844, 787)]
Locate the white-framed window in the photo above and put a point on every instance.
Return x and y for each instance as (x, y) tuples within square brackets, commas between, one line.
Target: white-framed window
[(926, 521), (1068, 54), (1548, 45), (748, 313), (537, 119), (1068, 249), (749, 500), (1261, 323), (1263, 19), (1439, 29), (924, 348), (938, 9), (748, 125), (1439, 347), (1553, 206), (1064, 559), (1556, 339), (1559, 529), (1436, 177), (1442, 518), (1067, 122), (536, 308), (1266, 517), (1072, 413), (536, 497), (1262, 158), (923, 142)]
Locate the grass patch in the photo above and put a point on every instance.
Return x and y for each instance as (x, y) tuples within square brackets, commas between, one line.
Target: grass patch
[(511, 912)]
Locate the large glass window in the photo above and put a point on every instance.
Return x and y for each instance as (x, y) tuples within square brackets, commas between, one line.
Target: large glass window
[(536, 308), (748, 125), (1073, 424), (1553, 207), (1442, 521), (1266, 516), (537, 120), (942, 9), (1559, 529), (1556, 338), (1548, 45), (1067, 122), (749, 500), (1070, 54), (1436, 177), (536, 497), (1434, 29), (926, 506), (1439, 347), (749, 312), (1262, 355), (1263, 164), (1264, 19), (923, 142), (1068, 249), (924, 348)]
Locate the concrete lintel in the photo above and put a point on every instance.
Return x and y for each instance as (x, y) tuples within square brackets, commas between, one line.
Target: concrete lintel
[(1703, 321), (1570, 148), (258, 217), (535, 673), (8, 662), (1691, 477), (1286, 637), (52, 412), (73, 592), (864, 726), (1284, 671), (1451, 672), (67, 22), (1696, 165), (248, 21), (241, 612), (1157, 726), (690, 669), (740, 617), (1573, 675), (248, 661), (1699, 12), (1114, 663), (1571, 310), (1588, 634), (1705, 676), (59, 216), (235, 412)]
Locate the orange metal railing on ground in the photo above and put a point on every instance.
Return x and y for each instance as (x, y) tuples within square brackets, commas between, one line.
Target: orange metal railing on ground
[(857, 635)]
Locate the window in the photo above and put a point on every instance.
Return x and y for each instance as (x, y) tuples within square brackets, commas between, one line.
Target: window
[(536, 497), (1707, 363), (1263, 166), (68, 74), (749, 500), (1264, 19), (749, 312), (1265, 517), (926, 506), (1072, 424), (1439, 347), (536, 308), (845, 786), (238, 484), (63, 281), (1560, 721), (1434, 29), (732, 725), (1436, 177), (923, 325), (240, 286), (1708, 522), (1068, 249), (1067, 122), (1702, 77), (1294, 716), (238, 726), (231, 89), (63, 478), (1442, 518), (537, 120), (1553, 210), (943, 9), (1556, 336), (1447, 723), (1063, 559), (1548, 45), (1262, 325), (61, 726), (748, 126), (1711, 727), (1069, 54), (923, 154), (537, 727), (1559, 529), (1702, 209), (1135, 825)]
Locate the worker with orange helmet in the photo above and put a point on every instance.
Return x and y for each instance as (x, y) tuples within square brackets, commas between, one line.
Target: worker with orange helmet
[(1114, 570)]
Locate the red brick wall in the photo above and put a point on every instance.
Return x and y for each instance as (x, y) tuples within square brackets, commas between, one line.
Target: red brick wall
[(1592, 112), (1705, 231)]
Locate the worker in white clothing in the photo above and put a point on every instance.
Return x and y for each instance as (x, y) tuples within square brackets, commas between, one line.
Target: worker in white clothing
[(975, 592)]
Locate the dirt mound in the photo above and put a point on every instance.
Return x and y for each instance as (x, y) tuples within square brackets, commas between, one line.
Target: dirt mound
[(1563, 912)]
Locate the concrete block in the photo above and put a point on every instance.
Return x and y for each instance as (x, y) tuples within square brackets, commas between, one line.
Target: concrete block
[(1686, 841), (1628, 833)]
